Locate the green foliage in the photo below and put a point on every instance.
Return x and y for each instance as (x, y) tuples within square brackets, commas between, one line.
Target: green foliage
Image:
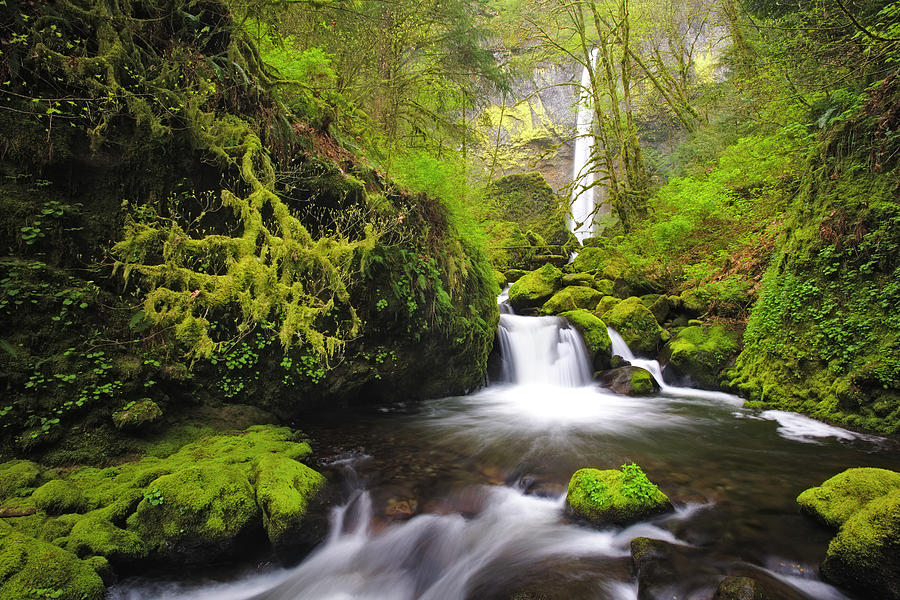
[(154, 497), (636, 485)]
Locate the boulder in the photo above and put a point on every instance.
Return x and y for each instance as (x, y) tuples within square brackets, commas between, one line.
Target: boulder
[(604, 497), (740, 588), (693, 303), (571, 298), (666, 570), (535, 288), (606, 303), (57, 497), (637, 326), (702, 353), (585, 279), (285, 489), (660, 308), (865, 553), (137, 415), (28, 565), (840, 497), (499, 277), (19, 475), (96, 535), (595, 336), (605, 287), (513, 275), (629, 380)]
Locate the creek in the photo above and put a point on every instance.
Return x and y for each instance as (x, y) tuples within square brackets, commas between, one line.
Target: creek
[(463, 497)]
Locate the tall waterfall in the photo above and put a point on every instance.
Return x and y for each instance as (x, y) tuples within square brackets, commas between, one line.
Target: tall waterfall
[(542, 350), (582, 192)]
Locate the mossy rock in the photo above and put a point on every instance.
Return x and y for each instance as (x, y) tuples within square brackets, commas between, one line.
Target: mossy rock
[(137, 415), (636, 324), (284, 490), (500, 278), (740, 588), (660, 308), (606, 303), (702, 353), (595, 259), (582, 279), (596, 338), (58, 496), (571, 298), (620, 497), (197, 514), (840, 497), (535, 288), (513, 275), (629, 380), (28, 564), (605, 287), (865, 553), (18, 477), (95, 535), (693, 304)]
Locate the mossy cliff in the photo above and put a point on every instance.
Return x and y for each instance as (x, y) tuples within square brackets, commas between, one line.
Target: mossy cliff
[(824, 336)]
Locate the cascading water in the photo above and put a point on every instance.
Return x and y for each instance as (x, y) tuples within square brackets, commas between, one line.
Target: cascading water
[(581, 222), (542, 350)]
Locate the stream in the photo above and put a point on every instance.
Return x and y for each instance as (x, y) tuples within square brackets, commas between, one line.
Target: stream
[(463, 497)]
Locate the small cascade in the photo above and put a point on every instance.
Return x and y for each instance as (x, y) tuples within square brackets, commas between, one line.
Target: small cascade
[(582, 176), (542, 350), (503, 302)]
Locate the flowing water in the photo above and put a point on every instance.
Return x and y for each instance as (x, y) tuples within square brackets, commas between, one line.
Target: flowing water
[(582, 175), (463, 497)]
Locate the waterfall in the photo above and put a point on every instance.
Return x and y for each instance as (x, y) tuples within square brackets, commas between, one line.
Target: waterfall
[(542, 350), (582, 177)]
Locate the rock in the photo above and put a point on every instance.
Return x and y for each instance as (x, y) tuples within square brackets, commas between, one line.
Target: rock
[(740, 588), (95, 535), (58, 496), (583, 279), (284, 490), (499, 277), (693, 303), (571, 298), (660, 309), (840, 497), (595, 336), (137, 415), (636, 324), (614, 496), (17, 476), (606, 303), (605, 287), (599, 260), (664, 570), (197, 514), (513, 275), (28, 564), (535, 288), (617, 361), (702, 353), (865, 554), (631, 381)]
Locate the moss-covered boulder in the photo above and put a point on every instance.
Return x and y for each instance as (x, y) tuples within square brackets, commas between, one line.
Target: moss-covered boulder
[(693, 303), (19, 476), (740, 588), (28, 565), (197, 514), (840, 497), (702, 353), (535, 288), (606, 304), (620, 497), (571, 298), (285, 489), (96, 535), (59, 496), (629, 380), (865, 554), (595, 336), (585, 279), (513, 275), (605, 287), (137, 415), (636, 324), (661, 308)]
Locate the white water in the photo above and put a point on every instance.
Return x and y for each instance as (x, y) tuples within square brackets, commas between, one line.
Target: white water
[(581, 222), (542, 350)]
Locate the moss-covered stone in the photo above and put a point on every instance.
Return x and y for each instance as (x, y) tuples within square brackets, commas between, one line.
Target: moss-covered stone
[(18, 476), (840, 497), (535, 288), (606, 304), (583, 279), (628, 380), (284, 490), (96, 535), (500, 278), (59, 496), (693, 303), (660, 308), (137, 414), (571, 298), (865, 554), (740, 588), (702, 353), (596, 338), (513, 275), (605, 287), (28, 564), (612, 496), (636, 324)]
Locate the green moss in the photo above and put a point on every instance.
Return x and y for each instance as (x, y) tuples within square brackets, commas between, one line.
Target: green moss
[(693, 303), (596, 338), (19, 476), (642, 382), (606, 287), (96, 535), (702, 353), (571, 298), (137, 415), (606, 304), (284, 490), (28, 564), (840, 497), (58, 496), (608, 262), (535, 288), (865, 554), (613, 496), (636, 324), (500, 278), (583, 279), (513, 275)]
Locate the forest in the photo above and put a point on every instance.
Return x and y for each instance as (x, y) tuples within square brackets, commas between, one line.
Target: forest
[(450, 299)]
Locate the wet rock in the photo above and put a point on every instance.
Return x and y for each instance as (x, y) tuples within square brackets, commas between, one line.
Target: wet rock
[(617, 361), (637, 326), (665, 571), (611, 496), (571, 298), (579, 279), (631, 381), (595, 336), (840, 497), (740, 588), (513, 275), (702, 353), (535, 288)]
